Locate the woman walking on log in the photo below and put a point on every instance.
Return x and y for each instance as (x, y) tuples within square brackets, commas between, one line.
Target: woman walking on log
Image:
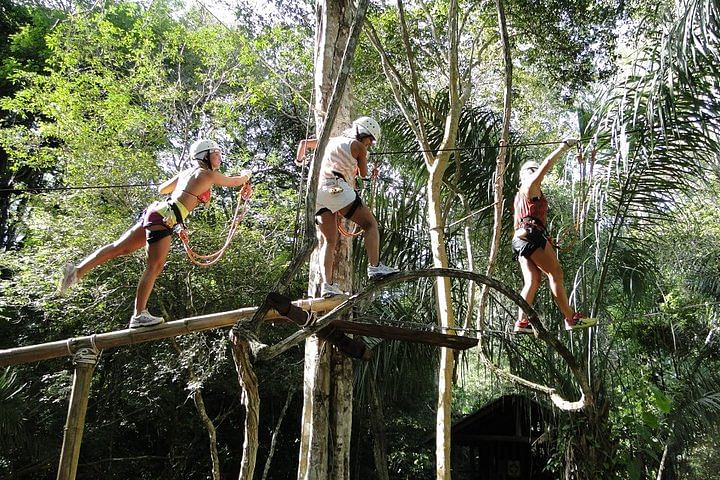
[(532, 246), (186, 191)]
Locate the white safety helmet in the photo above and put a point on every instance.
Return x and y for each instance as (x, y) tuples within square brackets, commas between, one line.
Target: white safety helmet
[(367, 126), (200, 148)]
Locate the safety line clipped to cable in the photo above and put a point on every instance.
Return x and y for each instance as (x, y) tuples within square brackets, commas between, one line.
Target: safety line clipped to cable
[(240, 210)]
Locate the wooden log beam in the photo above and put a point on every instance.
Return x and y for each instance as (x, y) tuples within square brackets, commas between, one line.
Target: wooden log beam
[(104, 341), (392, 332)]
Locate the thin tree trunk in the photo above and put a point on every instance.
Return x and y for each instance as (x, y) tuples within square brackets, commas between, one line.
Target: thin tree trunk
[(377, 423), (447, 319), (499, 166), (212, 432), (661, 468), (407, 96), (276, 433), (204, 417), (250, 399)]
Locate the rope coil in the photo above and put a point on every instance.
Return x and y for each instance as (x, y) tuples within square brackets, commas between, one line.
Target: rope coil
[(240, 210)]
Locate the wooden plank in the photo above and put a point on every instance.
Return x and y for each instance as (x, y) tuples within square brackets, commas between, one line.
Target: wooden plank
[(103, 341), (437, 339)]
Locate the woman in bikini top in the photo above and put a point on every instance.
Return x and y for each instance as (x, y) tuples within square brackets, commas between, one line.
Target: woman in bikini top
[(189, 188)]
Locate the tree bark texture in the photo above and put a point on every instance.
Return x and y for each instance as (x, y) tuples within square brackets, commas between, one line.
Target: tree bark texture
[(377, 423), (327, 406), (313, 464), (250, 400), (500, 165)]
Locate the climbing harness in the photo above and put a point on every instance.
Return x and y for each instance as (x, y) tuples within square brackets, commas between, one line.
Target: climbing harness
[(374, 175), (240, 210)]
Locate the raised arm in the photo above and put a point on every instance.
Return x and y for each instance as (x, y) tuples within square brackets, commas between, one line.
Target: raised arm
[(537, 178), (302, 148)]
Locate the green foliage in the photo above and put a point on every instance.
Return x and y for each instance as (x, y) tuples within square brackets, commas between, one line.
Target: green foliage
[(114, 95), (571, 43)]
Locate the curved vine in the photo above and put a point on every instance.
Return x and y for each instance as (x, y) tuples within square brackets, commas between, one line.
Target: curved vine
[(586, 397)]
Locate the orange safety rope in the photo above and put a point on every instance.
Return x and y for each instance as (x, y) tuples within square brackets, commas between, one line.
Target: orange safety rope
[(240, 210), (373, 186)]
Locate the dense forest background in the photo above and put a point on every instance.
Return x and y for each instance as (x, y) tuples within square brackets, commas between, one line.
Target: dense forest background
[(100, 101)]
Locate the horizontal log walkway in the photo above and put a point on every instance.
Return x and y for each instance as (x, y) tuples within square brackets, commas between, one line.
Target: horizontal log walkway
[(103, 341)]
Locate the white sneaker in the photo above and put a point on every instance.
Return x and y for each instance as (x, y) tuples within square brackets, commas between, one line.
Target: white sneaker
[(69, 278), (328, 290), (380, 271), (145, 320)]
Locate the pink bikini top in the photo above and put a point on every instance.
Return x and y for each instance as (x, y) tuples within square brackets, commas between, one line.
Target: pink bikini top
[(203, 197)]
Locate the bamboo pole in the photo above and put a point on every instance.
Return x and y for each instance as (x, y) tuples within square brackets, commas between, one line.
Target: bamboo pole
[(104, 341), (84, 360)]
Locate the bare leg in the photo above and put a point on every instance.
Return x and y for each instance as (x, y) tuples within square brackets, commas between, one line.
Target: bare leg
[(531, 282), (130, 241), (327, 235), (365, 218), (157, 254), (547, 261)]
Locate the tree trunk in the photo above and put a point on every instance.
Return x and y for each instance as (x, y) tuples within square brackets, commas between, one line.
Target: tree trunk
[(250, 400), (377, 423), (446, 315), (313, 462), (276, 433), (499, 165), (327, 406)]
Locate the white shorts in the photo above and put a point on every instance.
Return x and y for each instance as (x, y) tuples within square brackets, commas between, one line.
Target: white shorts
[(334, 194)]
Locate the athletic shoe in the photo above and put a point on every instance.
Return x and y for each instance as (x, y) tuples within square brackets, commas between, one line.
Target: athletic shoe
[(578, 321), (328, 290), (145, 320), (69, 278), (380, 271), (523, 326)]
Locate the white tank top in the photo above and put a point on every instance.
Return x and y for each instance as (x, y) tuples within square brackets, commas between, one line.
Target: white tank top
[(338, 158)]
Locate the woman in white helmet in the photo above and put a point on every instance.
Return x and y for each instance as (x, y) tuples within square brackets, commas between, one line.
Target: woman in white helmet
[(186, 191), (345, 156), (532, 247)]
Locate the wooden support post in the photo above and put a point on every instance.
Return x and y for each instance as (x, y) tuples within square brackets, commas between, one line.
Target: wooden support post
[(84, 360)]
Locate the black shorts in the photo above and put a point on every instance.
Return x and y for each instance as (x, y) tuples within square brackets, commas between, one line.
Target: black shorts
[(531, 241)]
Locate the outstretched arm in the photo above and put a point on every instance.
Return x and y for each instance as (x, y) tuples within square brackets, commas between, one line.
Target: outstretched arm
[(234, 181)]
